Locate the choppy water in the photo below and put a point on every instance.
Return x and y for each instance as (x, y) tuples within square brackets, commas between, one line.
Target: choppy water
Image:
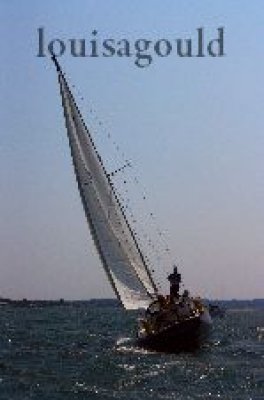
[(86, 351)]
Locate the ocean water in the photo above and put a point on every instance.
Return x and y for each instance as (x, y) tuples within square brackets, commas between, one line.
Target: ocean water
[(87, 351)]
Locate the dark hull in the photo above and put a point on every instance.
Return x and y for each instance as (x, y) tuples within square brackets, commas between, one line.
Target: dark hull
[(186, 335)]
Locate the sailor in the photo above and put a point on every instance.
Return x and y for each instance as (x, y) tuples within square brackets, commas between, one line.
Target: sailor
[(184, 306), (155, 314), (156, 306), (183, 310), (175, 280)]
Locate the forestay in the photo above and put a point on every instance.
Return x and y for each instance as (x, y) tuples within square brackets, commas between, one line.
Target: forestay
[(115, 241)]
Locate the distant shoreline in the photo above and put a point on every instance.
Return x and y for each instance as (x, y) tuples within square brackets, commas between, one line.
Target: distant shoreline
[(229, 304)]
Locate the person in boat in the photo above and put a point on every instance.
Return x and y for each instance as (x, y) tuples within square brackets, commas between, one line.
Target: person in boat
[(189, 301), (156, 314), (184, 305), (156, 306), (175, 280)]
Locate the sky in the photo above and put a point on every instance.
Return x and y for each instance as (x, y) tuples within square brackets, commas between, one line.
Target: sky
[(192, 127)]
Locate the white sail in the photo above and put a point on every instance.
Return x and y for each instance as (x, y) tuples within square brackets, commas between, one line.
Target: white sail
[(115, 241)]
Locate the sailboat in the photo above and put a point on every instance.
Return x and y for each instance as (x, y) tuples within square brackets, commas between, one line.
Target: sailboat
[(121, 256)]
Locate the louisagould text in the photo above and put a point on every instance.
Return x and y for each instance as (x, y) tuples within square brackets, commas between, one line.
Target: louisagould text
[(142, 51)]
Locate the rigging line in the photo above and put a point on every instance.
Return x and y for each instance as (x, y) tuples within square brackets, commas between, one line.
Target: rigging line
[(151, 215), (150, 239), (110, 183), (117, 148), (142, 233), (148, 257), (128, 164), (97, 119), (103, 128)]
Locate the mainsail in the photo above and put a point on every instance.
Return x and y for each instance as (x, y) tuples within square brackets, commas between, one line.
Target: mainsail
[(115, 241)]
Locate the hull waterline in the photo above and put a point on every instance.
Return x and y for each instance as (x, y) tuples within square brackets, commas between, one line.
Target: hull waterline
[(184, 335)]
